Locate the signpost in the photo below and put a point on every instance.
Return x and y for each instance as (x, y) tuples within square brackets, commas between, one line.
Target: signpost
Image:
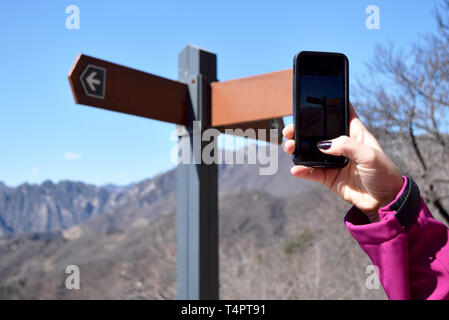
[(257, 102), (128, 90)]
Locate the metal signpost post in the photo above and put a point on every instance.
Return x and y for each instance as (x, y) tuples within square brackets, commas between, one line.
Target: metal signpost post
[(197, 203), (257, 102)]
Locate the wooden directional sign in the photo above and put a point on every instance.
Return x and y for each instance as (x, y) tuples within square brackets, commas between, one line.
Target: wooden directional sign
[(256, 102), (266, 125), (110, 86), (254, 98)]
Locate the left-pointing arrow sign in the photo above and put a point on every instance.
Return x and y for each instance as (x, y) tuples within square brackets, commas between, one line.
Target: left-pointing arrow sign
[(93, 80), (110, 86)]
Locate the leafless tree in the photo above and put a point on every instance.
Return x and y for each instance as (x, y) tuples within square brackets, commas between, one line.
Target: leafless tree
[(404, 100)]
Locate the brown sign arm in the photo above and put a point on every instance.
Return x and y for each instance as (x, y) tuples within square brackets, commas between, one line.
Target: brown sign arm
[(131, 91), (260, 97)]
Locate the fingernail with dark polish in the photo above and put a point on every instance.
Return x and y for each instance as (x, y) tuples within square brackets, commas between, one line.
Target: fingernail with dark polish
[(324, 145)]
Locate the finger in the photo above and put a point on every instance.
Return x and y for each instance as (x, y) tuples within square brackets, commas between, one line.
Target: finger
[(358, 131), (289, 146), (288, 131), (308, 173), (348, 147), (352, 113)]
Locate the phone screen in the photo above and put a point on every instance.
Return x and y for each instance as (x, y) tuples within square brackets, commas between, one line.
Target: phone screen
[(320, 106)]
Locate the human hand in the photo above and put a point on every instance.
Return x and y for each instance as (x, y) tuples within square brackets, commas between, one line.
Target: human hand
[(369, 181)]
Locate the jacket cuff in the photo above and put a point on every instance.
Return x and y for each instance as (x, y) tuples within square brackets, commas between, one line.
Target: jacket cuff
[(395, 218)]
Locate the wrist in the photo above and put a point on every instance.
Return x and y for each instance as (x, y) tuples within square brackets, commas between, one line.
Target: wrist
[(373, 215), (396, 187)]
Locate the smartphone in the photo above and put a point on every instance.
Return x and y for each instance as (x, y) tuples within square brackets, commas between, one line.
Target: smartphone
[(320, 105)]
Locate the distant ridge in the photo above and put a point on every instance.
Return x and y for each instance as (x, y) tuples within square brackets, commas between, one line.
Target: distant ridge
[(50, 206)]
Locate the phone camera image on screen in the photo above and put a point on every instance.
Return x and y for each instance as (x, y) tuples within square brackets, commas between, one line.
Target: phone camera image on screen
[(320, 106)]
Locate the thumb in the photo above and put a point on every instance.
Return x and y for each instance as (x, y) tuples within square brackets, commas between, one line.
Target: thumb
[(348, 147)]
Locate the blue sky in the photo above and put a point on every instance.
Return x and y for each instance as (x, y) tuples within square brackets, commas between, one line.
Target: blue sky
[(45, 135)]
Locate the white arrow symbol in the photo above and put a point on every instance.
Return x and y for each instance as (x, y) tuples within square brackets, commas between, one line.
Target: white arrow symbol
[(91, 80)]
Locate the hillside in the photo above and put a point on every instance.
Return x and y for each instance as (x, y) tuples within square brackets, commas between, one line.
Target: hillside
[(280, 238)]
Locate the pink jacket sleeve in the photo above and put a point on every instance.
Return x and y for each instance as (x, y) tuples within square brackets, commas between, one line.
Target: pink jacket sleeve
[(413, 263)]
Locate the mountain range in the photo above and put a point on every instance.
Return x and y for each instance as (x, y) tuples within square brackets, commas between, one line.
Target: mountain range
[(280, 238)]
